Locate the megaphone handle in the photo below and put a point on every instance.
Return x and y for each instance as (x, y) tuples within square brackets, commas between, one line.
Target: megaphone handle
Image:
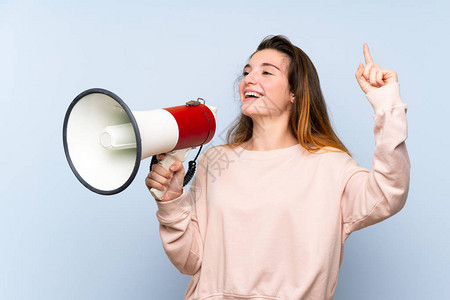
[(168, 160)]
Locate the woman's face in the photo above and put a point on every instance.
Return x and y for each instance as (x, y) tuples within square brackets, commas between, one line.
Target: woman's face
[(264, 90)]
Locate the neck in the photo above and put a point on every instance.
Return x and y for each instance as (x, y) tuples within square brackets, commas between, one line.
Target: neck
[(270, 134)]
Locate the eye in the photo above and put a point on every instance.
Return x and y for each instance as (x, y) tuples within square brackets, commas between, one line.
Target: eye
[(245, 73), (267, 73)]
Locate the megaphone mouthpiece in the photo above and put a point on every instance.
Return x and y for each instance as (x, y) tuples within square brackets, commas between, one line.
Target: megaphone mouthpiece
[(118, 137)]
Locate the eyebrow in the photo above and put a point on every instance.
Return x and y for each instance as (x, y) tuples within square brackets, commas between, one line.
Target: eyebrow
[(264, 64)]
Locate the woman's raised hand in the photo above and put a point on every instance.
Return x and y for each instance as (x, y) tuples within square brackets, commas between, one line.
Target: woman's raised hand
[(160, 178), (372, 76)]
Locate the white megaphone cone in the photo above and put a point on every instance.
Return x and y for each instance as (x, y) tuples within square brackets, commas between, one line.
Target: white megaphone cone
[(104, 141)]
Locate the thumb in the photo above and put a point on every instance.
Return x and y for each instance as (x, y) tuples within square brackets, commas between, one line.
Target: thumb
[(365, 86), (175, 166), (175, 188), (178, 175)]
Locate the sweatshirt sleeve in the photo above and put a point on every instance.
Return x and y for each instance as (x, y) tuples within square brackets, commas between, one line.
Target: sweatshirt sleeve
[(370, 196), (183, 223)]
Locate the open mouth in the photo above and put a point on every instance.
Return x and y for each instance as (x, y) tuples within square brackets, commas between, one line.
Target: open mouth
[(252, 95)]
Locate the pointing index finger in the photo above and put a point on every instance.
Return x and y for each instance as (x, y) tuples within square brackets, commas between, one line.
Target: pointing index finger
[(367, 56)]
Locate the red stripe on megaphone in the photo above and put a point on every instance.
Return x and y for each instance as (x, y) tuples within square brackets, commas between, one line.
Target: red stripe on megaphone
[(196, 125)]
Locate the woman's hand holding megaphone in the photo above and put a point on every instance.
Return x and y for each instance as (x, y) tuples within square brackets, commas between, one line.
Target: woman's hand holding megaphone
[(160, 178)]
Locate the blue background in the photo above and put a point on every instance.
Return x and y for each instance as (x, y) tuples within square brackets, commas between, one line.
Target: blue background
[(58, 240)]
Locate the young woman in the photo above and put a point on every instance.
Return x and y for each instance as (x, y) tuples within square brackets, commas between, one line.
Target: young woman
[(267, 214)]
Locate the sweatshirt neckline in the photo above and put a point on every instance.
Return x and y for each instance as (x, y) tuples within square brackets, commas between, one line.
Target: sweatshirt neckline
[(269, 154)]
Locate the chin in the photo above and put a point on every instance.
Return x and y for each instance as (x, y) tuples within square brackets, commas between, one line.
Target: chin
[(246, 112), (253, 113)]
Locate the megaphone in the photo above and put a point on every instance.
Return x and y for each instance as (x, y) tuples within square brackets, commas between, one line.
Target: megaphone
[(104, 141)]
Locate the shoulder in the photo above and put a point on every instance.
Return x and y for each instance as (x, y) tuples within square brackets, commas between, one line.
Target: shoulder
[(335, 164), (214, 153), (334, 157), (211, 151), (331, 153)]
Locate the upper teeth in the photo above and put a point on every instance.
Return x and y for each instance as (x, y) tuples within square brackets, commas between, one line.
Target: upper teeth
[(252, 94)]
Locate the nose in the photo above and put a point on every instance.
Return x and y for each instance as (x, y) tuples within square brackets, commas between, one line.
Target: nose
[(250, 78)]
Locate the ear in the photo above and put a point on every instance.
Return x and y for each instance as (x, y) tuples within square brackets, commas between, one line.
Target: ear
[(292, 99)]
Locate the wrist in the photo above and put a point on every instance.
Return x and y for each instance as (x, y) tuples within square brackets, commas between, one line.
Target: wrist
[(172, 196)]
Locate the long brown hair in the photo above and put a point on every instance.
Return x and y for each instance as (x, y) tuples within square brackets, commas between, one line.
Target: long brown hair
[(309, 119)]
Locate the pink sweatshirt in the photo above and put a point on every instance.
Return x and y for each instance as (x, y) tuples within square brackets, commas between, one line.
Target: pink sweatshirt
[(272, 224)]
